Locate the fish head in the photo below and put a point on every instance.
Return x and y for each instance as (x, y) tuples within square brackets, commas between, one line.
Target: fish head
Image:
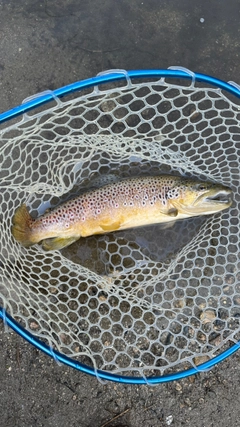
[(202, 198)]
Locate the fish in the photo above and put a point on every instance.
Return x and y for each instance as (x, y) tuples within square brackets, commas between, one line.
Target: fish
[(128, 203)]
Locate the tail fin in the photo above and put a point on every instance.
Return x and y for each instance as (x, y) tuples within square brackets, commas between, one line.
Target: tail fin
[(21, 229)]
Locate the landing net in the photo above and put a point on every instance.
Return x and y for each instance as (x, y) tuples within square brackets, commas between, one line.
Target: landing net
[(146, 301)]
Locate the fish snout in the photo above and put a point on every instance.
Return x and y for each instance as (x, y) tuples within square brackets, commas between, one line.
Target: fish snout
[(217, 196), (223, 196)]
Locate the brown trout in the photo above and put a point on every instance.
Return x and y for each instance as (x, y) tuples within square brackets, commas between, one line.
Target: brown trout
[(132, 202)]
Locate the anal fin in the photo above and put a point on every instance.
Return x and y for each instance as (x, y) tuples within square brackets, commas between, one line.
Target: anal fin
[(57, 243)]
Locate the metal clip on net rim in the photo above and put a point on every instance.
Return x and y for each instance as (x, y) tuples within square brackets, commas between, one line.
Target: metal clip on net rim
[(44, 98)]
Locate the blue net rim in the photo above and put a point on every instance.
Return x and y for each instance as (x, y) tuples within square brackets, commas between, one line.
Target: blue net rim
[(107, 77), (61, 358), (115, 75)]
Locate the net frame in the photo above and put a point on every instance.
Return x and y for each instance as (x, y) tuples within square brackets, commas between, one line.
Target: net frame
[(112, 76)]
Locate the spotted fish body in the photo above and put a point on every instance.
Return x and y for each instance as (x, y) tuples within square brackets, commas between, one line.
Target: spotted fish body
[(129, 203)]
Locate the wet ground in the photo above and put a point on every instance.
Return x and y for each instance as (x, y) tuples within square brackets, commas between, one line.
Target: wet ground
[(45, 45)]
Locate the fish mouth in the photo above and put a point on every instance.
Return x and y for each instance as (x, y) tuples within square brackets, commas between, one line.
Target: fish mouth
[(222, 196)]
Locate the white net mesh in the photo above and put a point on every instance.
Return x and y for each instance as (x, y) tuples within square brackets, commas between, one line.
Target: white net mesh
[(145, 300)]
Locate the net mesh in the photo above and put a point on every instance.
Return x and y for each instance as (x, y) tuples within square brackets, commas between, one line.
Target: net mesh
[(144, 301)]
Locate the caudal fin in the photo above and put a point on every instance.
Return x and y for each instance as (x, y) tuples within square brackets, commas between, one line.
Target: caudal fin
[(21, 229)]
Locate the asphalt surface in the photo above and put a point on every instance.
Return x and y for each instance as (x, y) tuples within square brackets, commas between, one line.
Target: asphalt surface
[(45, 45)]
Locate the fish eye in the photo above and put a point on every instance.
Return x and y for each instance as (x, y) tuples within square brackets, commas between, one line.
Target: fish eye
[(201, 187)]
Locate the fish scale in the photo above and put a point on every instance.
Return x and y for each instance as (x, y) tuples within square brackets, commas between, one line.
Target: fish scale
[(132, 202), (134, 192)]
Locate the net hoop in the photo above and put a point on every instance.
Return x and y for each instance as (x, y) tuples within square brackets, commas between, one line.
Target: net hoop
[(45, 97), (61, 358)]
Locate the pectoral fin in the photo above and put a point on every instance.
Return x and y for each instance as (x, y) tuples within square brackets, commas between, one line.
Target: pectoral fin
[(173, 212), (57, 243)]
